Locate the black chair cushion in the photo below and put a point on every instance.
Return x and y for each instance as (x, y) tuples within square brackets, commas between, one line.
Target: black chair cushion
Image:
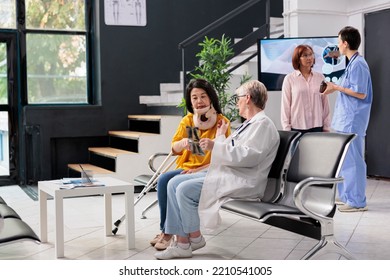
[(142, 179), (8, 212), (258, 210), (16, 230), (2, 201), (286, 138)]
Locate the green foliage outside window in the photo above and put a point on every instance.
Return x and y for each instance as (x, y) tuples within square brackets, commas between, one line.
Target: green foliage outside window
[(56, 62), (55, 14), (3, 74)]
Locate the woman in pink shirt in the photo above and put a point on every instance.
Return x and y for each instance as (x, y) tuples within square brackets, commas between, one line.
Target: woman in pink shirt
[(304, 108)]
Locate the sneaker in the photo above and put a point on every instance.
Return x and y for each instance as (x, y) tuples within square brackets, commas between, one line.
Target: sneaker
[(173, 252), (339, 202), (156, 239), (347, 208), (198, 245), (162, 243)]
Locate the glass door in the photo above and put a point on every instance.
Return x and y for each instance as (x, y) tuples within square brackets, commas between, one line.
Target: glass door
[(4, 131), (8, 107)]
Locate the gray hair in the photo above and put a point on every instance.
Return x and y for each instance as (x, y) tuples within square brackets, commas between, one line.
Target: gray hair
[(256, 90)]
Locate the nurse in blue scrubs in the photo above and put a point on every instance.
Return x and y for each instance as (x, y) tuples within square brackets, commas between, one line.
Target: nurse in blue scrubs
[(351, 115)]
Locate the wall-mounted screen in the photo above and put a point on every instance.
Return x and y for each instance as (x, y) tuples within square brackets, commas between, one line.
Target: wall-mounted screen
[(275, 59)]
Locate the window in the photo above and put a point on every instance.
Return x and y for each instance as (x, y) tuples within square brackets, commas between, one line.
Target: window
[(56, 52), (3, 74), (7, 14)]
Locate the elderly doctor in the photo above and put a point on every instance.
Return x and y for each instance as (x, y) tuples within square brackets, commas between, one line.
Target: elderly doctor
[(239, 168)]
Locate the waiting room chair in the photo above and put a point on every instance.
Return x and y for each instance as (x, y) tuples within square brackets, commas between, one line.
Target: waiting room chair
[(308, 203), (13, 228), (277, 175)]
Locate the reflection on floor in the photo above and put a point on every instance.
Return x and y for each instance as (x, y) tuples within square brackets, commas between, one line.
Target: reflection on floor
[(365, 234)]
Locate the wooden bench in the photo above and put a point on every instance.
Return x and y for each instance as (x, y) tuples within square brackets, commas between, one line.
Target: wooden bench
[(306, 204)]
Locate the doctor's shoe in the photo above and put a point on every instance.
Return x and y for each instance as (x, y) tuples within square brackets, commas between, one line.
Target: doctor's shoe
[(197, 245), (339, 202), (347, 208), (174, 251)]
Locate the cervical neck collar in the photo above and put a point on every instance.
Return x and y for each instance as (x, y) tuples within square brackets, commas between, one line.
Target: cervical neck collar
[(205, 118)]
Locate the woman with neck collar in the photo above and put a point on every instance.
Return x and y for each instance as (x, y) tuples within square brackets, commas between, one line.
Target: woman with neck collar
[(351, 115), (204, 113)]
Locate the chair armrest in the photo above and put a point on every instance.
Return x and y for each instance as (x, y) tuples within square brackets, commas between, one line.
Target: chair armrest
[(153, 158), (315, 196)]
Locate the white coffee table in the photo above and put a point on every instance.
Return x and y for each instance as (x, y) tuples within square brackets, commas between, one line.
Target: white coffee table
[(111, 185)]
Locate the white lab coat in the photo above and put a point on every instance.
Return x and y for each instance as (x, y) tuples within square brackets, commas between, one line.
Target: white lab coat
[(239, 168)]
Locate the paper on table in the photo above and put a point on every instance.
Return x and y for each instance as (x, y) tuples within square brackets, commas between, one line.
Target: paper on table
[(71, 183)]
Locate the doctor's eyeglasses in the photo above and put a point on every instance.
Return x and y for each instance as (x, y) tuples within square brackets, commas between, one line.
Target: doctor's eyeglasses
[(235, 97)]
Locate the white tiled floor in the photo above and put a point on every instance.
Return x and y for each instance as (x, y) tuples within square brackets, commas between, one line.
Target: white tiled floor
[(365, 234)]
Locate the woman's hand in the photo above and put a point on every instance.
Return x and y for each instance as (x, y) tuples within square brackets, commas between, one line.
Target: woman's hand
[(206, 144), (194, 170), (181, 145)]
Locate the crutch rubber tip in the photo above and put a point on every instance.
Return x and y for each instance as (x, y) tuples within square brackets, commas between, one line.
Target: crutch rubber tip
[(117, 223), (114, 231)]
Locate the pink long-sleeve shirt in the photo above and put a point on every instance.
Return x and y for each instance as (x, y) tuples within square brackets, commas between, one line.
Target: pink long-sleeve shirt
[(303, 106)]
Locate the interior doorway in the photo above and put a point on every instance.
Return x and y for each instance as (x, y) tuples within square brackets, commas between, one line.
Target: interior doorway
[(378, 133)]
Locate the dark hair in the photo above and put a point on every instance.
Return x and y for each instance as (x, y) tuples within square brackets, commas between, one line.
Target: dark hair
[(298, 51), (350, 35), (208, 88)]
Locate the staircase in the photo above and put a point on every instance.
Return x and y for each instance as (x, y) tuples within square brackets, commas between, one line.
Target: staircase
[(171, 94), (128, 152)]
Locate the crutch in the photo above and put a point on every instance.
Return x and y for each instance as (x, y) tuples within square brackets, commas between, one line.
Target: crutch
[(149, 185)]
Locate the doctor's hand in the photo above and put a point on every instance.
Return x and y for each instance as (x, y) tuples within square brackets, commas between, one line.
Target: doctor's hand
[(222, 127), (332, 54), (206, 144), (330, 88)]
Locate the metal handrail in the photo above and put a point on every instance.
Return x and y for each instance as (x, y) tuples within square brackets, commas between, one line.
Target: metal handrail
[(217, 23), (263, 31)]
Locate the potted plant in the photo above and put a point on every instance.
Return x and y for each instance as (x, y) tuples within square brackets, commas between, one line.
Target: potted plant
[(213, 67)]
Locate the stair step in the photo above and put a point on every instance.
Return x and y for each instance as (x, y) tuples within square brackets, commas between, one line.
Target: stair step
[(144, 123), (134, 135), (86, 166), (108, 151), (145, 117)]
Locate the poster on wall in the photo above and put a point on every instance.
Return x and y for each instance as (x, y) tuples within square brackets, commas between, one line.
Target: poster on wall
[(125, 12)]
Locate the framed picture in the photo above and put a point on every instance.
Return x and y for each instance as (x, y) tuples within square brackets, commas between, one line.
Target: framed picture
[(125, 12)]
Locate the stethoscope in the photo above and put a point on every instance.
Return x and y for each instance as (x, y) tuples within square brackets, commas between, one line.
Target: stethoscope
[(346, 71), (239, 130)]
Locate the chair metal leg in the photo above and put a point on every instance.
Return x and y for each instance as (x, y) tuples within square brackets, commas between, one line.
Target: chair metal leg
[(148, 208), (326, 245)]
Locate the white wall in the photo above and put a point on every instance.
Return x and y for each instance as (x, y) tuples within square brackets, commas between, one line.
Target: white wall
[(305, 18)]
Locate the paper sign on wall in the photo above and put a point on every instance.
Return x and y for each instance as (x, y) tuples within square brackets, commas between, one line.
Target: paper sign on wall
[(125, 12)]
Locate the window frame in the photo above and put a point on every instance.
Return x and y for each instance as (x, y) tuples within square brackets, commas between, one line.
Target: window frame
[(23, 31)]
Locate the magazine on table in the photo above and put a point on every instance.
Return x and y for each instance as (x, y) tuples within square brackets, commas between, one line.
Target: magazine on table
[(71, 183), (84, 181)]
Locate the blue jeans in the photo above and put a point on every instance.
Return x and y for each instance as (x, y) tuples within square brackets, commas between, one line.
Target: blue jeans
[(162, 183), (182, 204)]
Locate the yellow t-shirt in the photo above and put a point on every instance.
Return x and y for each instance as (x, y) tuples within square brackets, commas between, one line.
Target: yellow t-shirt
[(186, 160)]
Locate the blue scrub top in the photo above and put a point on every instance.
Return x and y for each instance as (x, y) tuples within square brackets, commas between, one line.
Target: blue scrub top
[(352, 114)]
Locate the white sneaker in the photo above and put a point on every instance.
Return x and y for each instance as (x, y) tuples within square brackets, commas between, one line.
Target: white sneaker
[(200, 244), (173, 252)]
